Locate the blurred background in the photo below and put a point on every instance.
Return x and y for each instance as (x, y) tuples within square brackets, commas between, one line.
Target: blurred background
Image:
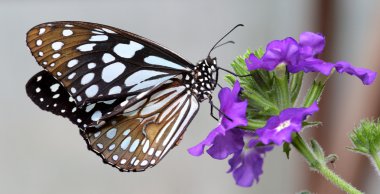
[(42, 153)]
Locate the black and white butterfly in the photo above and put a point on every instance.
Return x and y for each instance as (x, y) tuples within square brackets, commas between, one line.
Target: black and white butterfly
[(131, 97)]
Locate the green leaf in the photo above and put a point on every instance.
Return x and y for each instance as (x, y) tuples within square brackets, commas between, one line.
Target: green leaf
[(259, 53)]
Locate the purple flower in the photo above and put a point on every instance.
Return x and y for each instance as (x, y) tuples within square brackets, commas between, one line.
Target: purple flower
[(278, 51), (367, 76), (246, 164), (247, 161), (302, 56), (232, 107), (280, 128)]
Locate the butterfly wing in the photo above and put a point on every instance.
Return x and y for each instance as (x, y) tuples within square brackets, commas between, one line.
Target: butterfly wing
[(48, 94), (142, 136), (97, 62)]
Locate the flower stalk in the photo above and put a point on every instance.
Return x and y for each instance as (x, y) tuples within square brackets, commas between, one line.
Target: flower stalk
[(318, 164)]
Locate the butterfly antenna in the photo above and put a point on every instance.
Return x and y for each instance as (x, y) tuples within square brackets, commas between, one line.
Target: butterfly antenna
[(228, 42), (216, 44)]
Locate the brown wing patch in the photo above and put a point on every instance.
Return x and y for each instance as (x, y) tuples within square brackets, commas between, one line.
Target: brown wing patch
[(145, 133)]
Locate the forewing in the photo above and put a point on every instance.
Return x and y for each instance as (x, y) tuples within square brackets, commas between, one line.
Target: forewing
[(48, 94), (98, 62), (144, 134)]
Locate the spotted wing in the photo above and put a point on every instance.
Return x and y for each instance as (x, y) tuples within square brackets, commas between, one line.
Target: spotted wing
[(98, 62), (144, 134), (48, 94)]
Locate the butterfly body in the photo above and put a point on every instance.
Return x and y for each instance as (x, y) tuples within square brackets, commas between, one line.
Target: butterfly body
[(131, 97), (203, 79)]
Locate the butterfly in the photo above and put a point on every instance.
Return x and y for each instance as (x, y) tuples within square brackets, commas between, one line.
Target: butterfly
[(131, 97)]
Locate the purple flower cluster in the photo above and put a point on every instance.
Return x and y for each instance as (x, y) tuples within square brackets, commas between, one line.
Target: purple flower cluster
[(302, 56), (248, 148)]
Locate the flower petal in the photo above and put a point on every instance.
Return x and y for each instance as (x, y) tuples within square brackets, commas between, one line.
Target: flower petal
[(311, 44), (367, 76), (224, 145), (277, 51), (312, 65), (280, 128), (233, 107), (198, 149), (247, 165)]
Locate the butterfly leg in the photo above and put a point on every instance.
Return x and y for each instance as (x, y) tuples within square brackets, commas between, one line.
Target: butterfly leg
[(212, 106)]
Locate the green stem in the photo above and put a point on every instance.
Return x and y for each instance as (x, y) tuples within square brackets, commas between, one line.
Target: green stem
[(295, 86), (319, 165), (281, 87), (376, 159)]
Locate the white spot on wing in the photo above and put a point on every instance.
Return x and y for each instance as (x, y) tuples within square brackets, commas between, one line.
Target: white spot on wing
[(158, 153), (86, 47), (96, 116), (92, 91), (54, 87), (57, 45), (125, 143), (127, 50), (126, 132), (134, 145), (96, 38), (112, 71), (67, 32), (144, 163), (146, 146), (42, 30), (71, 76), (108, 58), (39, 42), (72, 63), (100, 145), (114, 90), (56, 55), (111, 133), (87, 78), (91, 65), (150, 152), (90, 107)]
